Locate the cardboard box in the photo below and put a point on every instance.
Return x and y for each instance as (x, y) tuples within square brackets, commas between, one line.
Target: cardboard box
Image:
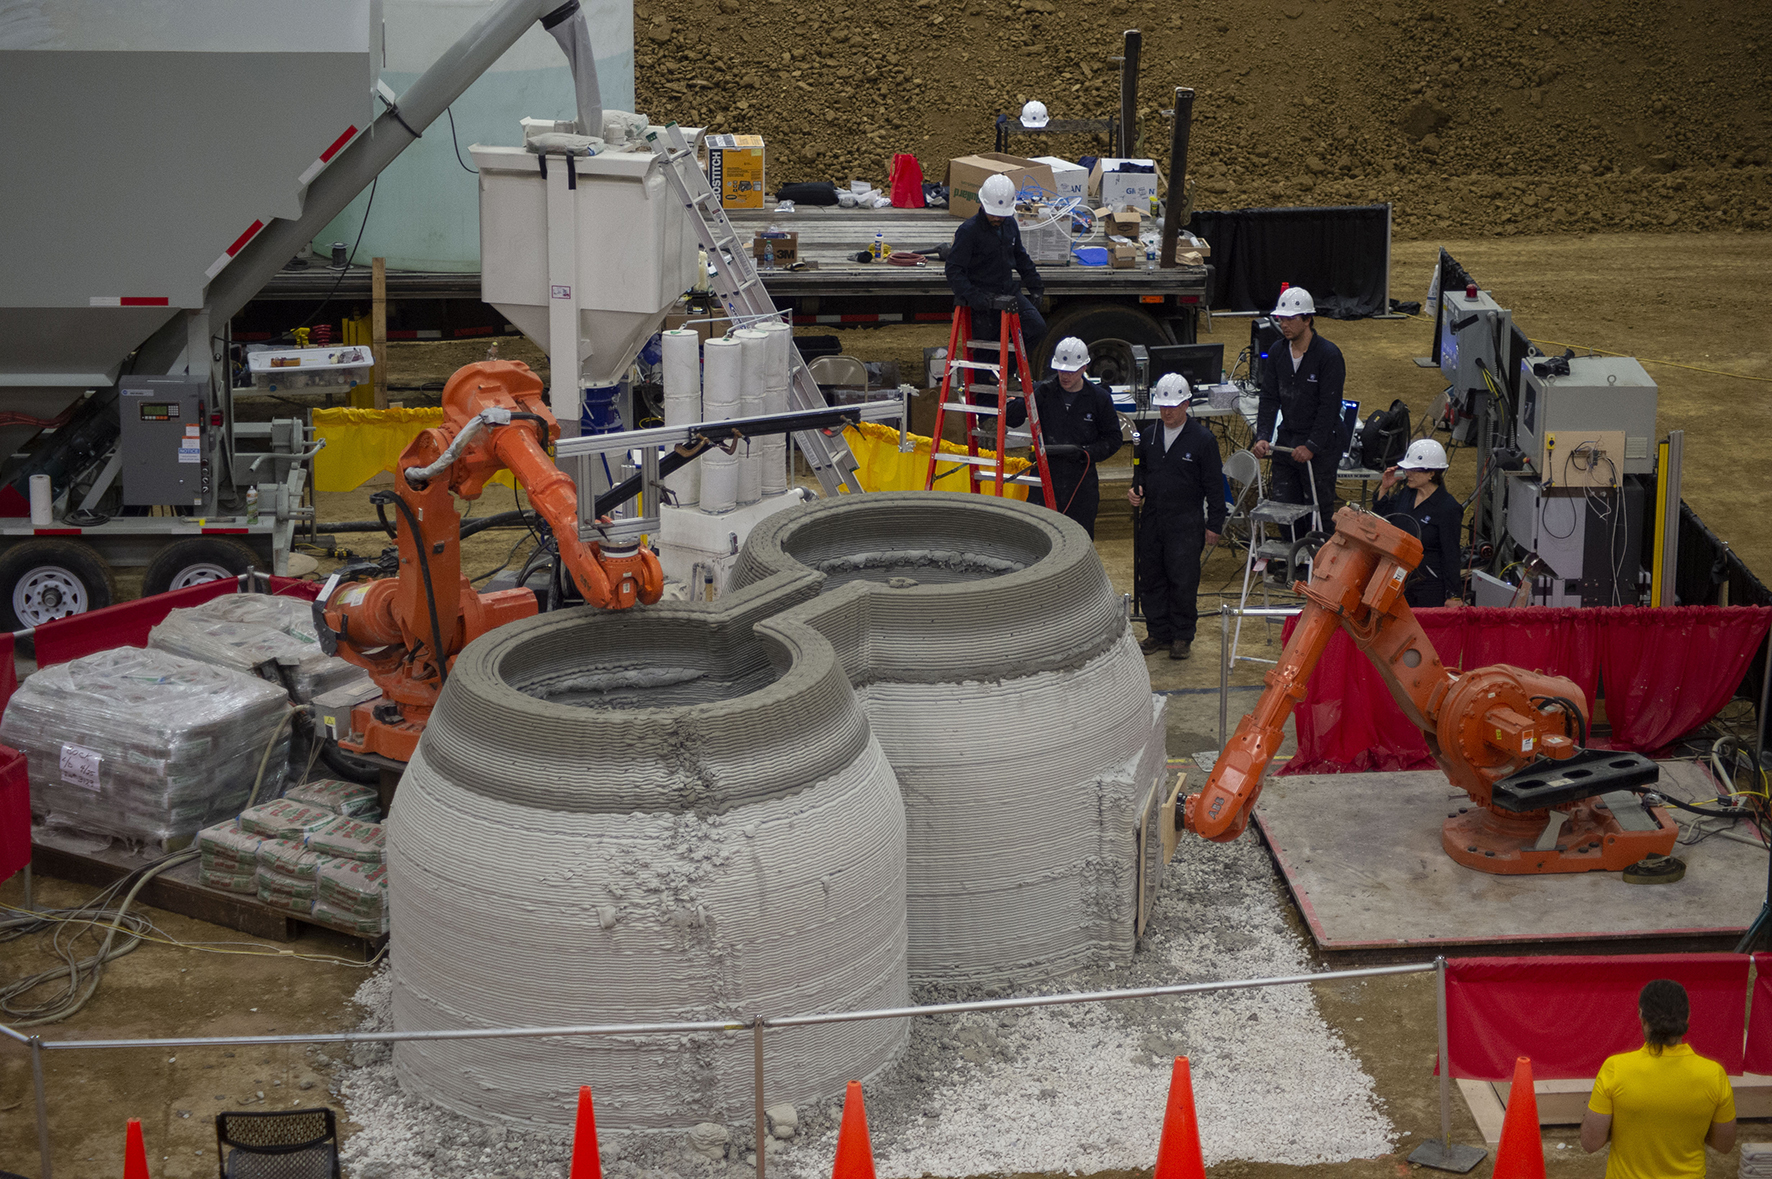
[(1122, 254), (1033, 180), (1122, 189), (735, 170), (701, 325), (1125, 222), (787, 248), (1071, 179)]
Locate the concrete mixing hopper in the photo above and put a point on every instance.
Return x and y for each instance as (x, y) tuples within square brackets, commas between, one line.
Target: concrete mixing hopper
[(609, 251), (145, 145)]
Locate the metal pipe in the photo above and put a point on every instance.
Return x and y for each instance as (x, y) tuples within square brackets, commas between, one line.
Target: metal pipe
[(1267, 611), (12, 1035), (796, 1021), (1176, 206), (757, 1084), (372, 151), (1765, 690), (44, 1162), (1225, 655), (1129, 94), (1445, 1053), (632, 1029)]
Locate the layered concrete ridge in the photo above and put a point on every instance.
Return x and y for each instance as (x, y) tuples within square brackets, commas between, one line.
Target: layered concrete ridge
[(1000, 674), (669, 814)]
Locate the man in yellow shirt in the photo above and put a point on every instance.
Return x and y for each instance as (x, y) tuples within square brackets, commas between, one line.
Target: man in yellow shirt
[(1661, 1105)]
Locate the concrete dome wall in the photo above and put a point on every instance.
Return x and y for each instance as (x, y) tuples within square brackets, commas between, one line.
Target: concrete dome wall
[(561, 851)]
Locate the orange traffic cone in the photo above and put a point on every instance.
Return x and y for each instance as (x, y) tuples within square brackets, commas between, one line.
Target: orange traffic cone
[(585, 1163), (1521, 1153), (1178, 1151), (855, 1157), (135, 1152)]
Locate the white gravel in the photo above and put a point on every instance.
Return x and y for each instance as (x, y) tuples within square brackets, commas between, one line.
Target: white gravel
[(1073, 1089)]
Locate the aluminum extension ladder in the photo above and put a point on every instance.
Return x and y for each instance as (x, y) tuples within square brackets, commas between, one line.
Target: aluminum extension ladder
[(747, 302), (961, 345)]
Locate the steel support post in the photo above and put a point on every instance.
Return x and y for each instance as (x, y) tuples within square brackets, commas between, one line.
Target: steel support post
[(1445, 1155)]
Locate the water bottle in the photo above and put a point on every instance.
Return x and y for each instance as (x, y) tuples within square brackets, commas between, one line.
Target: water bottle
[(768, 253), (879, 245), (252, 505)]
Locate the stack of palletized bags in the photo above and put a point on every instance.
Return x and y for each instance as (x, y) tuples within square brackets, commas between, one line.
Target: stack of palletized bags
[(353, 892), (287, 871), (230, 857), (145, 746), (248, 631), (340, 797)]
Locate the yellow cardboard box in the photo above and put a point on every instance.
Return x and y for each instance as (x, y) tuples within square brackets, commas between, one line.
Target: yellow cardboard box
[(735, 170)]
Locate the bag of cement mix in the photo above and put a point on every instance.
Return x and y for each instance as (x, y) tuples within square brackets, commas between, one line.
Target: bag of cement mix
[(245, 882), (256, 634), (339, 797), (290, 859), (354, 887), (351, 839), (226, 841), (284, 819), (290, 896), (371, 926), (145, 746)]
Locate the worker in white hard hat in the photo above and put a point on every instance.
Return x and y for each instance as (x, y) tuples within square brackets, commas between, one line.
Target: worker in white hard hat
[(1178, 483), (1301, 386), (1080, 428), (1438, 518), (1033, 114), (988, 266)]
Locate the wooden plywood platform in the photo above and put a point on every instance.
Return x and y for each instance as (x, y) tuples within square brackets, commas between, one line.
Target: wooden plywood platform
[(1564, 1103), (1361, 855)]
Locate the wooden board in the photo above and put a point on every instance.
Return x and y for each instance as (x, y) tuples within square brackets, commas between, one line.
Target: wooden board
[(1564, 1102)]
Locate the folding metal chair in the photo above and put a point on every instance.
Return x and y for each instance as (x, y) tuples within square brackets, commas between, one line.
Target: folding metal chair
[(1268, 513), (297, 1144), (1243, 469)]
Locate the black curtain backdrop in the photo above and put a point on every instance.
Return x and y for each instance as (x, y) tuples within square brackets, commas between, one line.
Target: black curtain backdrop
[(1337, 254)]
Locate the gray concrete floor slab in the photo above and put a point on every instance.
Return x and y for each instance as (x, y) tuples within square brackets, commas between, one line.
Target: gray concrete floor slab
[(1361, 855)]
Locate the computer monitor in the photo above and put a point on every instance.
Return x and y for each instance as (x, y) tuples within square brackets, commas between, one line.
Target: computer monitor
[(1201, 364)]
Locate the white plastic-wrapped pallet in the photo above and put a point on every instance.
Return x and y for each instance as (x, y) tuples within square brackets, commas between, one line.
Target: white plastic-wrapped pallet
[(145, 746), (247, 631)]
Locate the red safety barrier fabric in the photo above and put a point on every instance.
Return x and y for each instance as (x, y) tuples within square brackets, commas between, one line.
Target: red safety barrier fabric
[(1666, 672), (1759, 1025), (15, 811), (128, 624), (1570, 1013)]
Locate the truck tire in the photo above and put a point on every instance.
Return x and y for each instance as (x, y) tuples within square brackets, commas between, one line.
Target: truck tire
[(197, 560), (1110, 330), (42, 580)]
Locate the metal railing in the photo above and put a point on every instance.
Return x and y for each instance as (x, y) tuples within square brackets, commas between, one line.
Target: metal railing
[(1227, 654), (756, 1026)]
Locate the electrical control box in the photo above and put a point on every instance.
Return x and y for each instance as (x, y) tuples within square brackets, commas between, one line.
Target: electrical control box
[(1600, 393), (1473, 329), (1588, 542), (164, 441)]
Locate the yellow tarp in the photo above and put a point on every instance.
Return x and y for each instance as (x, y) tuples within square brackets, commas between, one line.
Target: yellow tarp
[(881, 467), (362, 443)]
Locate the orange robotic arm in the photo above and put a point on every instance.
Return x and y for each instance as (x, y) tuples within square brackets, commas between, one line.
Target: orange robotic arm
[(1481, 726), (406, 630)]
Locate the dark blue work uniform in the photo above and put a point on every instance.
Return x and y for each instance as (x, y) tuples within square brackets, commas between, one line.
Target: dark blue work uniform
[(1183, 489), (984, 264), (1441, 518), (1308, 403), (1089, 423)]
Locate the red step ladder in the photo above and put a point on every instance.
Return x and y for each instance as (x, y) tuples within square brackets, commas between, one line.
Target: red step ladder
[(961, 346)]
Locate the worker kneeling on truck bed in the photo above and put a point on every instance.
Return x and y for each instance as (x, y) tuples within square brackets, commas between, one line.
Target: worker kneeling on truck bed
[(1079, 427), (988, 265)]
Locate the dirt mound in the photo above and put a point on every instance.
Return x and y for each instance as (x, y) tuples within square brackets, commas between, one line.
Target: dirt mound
[(1498, 116)]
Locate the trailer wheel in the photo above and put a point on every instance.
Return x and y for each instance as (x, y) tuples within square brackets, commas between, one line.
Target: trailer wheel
[(42, 580), (195, 561), (1110, 330)]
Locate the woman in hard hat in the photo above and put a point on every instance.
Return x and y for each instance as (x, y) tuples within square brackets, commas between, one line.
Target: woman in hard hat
[(988, 265), (1423, 497)]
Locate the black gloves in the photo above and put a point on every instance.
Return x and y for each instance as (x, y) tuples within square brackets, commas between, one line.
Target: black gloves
[(1005, 303)]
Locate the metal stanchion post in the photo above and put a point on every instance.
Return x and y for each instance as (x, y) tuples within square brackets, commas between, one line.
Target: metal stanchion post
[(757, 1082), (1444, 1155), (30, 889), (42, 1105), (1224, 672)]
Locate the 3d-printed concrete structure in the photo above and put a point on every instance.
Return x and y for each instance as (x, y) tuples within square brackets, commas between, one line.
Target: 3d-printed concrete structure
[(694, 811)]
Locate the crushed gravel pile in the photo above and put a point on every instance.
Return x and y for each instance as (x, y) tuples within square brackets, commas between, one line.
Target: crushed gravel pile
[(1076, 1088)]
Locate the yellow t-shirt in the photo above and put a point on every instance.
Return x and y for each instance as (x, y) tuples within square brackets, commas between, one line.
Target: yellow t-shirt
[(1662, 1106)]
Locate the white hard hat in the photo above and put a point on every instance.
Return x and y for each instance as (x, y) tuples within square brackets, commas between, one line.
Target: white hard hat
[(997, 195), (1295, 301), (1033, 113), (1424, 454), (1171, 391), (1070, 355)]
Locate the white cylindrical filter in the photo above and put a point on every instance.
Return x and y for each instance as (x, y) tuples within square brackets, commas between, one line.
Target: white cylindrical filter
[(720, 380), (750, 405), (682, 404), (42, 502), (778, 348)]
